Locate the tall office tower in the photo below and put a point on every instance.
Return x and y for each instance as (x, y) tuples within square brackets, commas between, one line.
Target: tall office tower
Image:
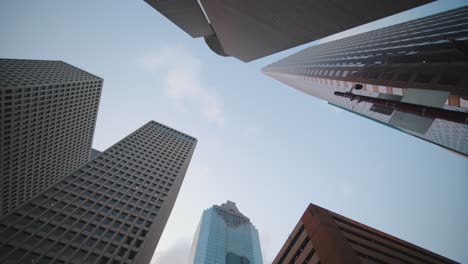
[(410, 76), (225, 235), (48, 114), (248, 30), (111, 210), (322, 236)]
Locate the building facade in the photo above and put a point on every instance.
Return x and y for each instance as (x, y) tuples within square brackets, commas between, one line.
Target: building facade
[(48, 115), (225, 235), (249, 30), (113, 209), (410, 76), (322, 236)]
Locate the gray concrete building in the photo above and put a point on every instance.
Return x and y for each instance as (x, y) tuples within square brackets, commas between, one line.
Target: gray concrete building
[(248, 30), (94, 153), (113, 209), (48, 115), (410, 76)]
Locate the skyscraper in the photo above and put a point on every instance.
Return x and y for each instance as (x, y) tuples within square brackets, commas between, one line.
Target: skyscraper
[(248, 30), (111, 210), (48, 115), (322, 236), (225, 235), (410, 76)]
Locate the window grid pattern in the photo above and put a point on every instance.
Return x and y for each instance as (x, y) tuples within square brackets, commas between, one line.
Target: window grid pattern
[(368, 46), (104, 211), (304, 254), (424, 53), (16, 73), (420, 54), (337, 239), (370, 244), (48, 115)]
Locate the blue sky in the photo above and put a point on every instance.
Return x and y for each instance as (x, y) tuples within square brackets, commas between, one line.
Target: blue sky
[(264, 145)]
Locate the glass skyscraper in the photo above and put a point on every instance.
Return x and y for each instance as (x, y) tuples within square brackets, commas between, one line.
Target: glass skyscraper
[(410, 76), (225, 235)]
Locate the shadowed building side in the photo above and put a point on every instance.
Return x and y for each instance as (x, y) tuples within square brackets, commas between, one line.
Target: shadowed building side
[(186, 14)]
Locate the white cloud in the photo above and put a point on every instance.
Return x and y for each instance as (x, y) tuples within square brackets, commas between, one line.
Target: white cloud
[(265, 245), (178, 253), (182, 77)]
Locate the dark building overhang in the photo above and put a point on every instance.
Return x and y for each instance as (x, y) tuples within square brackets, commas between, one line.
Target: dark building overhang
[(186, 14), (249, 30), (213, 42)]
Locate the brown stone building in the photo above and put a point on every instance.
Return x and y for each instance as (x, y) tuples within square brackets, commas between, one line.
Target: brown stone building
[(322, 236)]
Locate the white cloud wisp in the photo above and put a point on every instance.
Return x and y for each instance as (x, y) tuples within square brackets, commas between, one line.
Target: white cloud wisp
[(182, 75)]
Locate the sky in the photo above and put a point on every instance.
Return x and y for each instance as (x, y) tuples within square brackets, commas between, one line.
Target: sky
[(264, 145)]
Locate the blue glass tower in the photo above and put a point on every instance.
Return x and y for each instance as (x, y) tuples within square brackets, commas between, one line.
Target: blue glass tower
[(225, 235)]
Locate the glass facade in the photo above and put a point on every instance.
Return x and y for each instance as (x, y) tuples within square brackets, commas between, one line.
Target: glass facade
[(410, 76), (224, 235)]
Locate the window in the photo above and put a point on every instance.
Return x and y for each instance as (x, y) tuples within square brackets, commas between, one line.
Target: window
[(58, 231), (92, 258), (47, 228), (79, 256), (80, 238), (69, 235), (121, 252), (89, 228), (68, 252), (132, 255), (57, 248), (128, 240), (119, 237), (31, 241), (100, 245), (100, 231), (108, 235), (107, 221), (16, 255), (90, 242), (111, 248)]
